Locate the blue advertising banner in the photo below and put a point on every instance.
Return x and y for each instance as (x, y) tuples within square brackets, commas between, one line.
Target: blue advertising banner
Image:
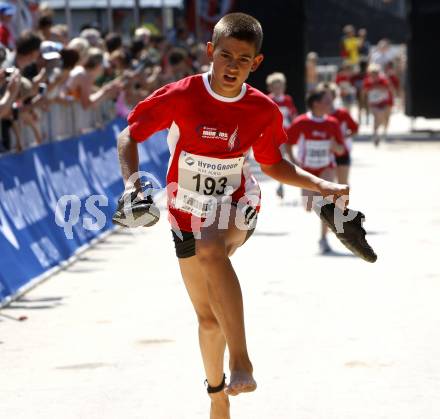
[(56, 198)]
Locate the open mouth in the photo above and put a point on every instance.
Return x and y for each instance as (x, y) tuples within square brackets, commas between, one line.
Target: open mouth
[(229, 79)]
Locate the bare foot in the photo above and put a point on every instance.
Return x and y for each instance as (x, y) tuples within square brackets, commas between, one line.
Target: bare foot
[(219, 406), (241, 382)]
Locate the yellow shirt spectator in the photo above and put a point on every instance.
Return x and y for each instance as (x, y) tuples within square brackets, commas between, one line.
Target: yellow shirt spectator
[(351, 46)]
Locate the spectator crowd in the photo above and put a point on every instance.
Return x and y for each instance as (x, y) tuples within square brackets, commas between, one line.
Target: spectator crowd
[(54, 87)]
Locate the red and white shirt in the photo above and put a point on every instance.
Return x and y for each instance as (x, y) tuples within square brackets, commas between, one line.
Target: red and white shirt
[(357, 81), (378, 91), (6, 36), (210, 137), (394, 80), (314, 136), (344, 83), (348, 126), (287, 108)]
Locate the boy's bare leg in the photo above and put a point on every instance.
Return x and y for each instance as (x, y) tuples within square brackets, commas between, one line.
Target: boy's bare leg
[(211, 339), (377, 122), (328, 174), (342, 172), (213, 251), (386, 121), (324, 230)]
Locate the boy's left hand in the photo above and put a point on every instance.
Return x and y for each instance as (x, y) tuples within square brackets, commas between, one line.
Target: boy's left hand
[(337, 148), (335, 191)]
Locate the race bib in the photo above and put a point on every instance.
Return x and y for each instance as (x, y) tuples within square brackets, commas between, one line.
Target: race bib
[(377, 96), (346, 87), (203, 181), (317, 154)]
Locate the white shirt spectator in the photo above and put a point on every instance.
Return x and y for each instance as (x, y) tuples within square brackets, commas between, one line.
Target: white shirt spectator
[(383, 54)]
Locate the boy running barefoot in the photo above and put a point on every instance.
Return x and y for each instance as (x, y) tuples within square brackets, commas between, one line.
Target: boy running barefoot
[(276, 85), (214, 119)]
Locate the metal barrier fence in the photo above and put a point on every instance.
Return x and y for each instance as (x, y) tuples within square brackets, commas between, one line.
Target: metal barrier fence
[(65, 120), (70, 120)]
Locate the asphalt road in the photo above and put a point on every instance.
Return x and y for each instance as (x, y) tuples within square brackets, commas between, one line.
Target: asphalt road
[(331, 337)]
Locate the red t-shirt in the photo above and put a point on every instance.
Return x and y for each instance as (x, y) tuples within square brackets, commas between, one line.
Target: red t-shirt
[(313, 137), (378, 91), (394, 80), (209, 137), (347, 124), (344, 83), (357, 80), (5, 36), (287, 107)]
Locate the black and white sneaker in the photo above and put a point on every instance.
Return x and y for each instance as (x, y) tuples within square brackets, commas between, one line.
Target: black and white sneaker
[(347, 226), (133, 211)]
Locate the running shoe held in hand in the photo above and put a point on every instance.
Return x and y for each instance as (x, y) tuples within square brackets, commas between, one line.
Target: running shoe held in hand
[(347, 225), (135, 211)]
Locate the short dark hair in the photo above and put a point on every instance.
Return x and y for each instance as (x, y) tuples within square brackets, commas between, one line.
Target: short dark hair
[(70, 58), (313, 97), (113, 41), (45, 21), (240, 26), (136, 47), (177, 55), (27, 43), (156, 39), (123, 55), (328, 87)]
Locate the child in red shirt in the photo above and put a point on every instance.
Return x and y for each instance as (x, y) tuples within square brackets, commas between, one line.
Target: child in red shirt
[(357, 80), (214, 120), (318, 138), (344, 83), (276, 85), (379, 96), (348, 127)]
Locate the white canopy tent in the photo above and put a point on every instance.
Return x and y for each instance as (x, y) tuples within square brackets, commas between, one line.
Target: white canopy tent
[(109, 5), (120, 4)]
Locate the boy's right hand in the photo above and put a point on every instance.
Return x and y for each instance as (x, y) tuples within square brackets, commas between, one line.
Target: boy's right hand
[(136, 210), (14, 84)]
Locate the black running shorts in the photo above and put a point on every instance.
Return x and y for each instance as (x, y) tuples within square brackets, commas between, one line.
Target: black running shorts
[(344, 160), (186, 247)]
